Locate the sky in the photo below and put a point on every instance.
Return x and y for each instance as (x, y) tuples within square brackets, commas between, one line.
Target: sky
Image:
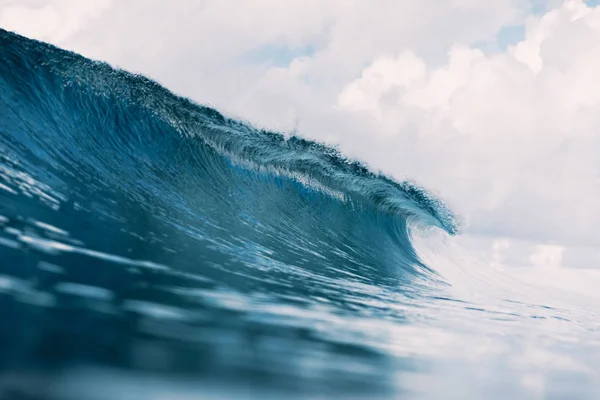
[(491, 105)]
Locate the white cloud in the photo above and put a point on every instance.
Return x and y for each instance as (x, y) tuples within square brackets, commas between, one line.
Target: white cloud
[(547, 256), (512, 142), (499, 247), (51, 21), (378, 81)]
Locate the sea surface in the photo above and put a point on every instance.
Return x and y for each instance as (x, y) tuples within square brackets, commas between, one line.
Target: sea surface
[(153, 248)]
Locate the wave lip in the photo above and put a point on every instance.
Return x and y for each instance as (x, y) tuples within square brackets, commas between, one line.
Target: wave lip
[(95, 93)]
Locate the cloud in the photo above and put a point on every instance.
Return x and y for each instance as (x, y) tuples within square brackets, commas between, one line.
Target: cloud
[(51, 21), (547, 256), (511, 138)]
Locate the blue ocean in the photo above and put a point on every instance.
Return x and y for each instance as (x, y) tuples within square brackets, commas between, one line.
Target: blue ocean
[(154, 248)]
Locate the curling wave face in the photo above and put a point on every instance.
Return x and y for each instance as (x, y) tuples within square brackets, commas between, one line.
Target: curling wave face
[(145, 234)]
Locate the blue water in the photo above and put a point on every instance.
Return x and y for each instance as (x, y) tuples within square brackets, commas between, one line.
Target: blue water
[(153, 248)]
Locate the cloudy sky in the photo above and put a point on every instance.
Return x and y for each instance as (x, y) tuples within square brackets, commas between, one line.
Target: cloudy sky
[(493, 105)]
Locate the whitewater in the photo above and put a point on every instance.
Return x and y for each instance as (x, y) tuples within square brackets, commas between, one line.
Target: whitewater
[(153, 248)]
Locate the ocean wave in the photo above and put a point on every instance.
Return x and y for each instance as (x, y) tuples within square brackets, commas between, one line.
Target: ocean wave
[(141, 204), (143, 235)]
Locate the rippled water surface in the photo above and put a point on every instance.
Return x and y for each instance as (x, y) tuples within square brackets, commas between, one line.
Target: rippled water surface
[(151, 248)]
